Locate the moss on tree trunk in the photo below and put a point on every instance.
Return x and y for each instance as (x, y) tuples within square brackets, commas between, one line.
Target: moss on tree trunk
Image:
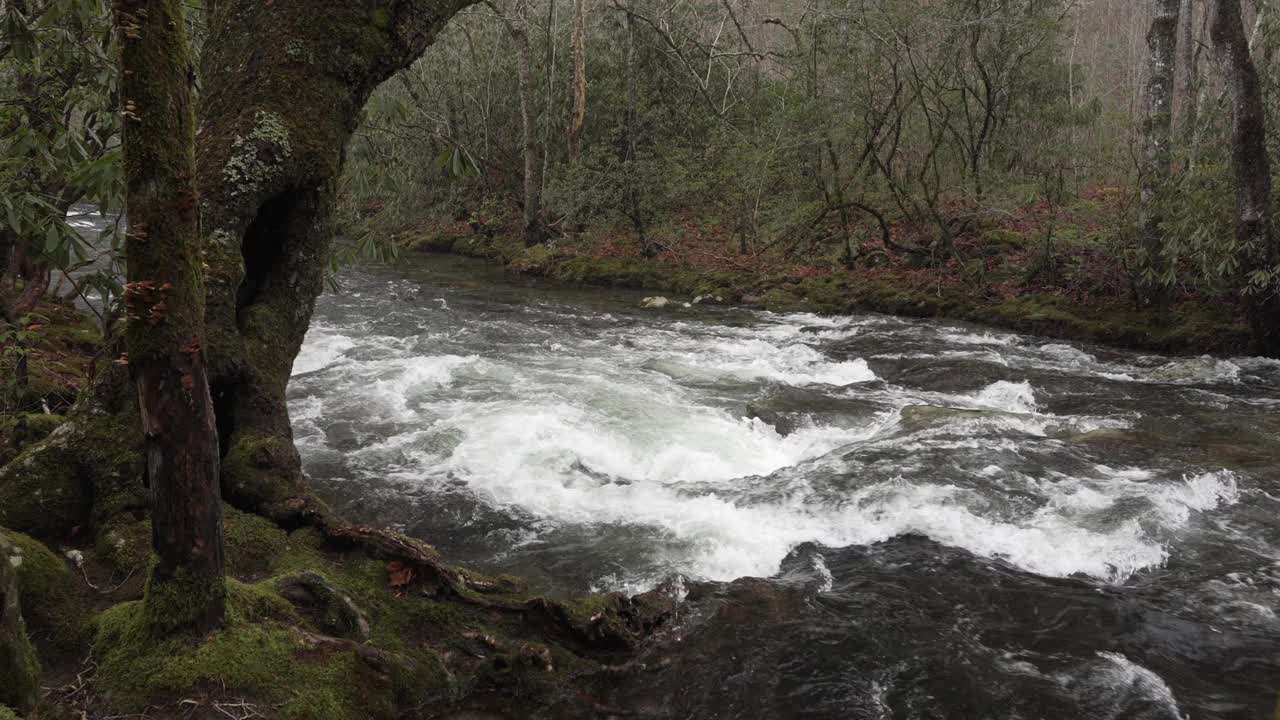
[(283, 84), (165, 300)]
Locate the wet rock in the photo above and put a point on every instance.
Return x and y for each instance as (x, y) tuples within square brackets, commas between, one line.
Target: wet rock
[(707, 299), (752, 300), (19, 669), (920, 417), (1201, 369), (336, 612), (656, 301)]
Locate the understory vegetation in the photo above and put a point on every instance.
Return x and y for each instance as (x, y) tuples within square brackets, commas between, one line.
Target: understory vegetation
[(978, 148)]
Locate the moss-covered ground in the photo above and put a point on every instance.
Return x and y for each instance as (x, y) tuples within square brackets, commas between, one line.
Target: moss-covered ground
[(421, 650), (1052, 272)]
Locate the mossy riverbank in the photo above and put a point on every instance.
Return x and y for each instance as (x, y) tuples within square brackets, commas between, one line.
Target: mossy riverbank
[(317, 630), (964, 292)]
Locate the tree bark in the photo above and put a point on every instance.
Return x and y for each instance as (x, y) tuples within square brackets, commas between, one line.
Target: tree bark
[(1157, 146), (534, 229), (578, 85), (283, 85), (1252, 171), (165, 301), (631, 187), (1190, 67)]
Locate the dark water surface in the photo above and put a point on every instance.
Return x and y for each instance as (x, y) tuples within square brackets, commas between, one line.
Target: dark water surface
[(951, 521)]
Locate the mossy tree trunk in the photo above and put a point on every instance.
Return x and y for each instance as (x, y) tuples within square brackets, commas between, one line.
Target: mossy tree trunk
[(1252, 171), (165, 301), (283, 84)]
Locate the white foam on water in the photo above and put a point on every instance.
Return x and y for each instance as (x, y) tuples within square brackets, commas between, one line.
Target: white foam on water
[(1204, 369), (1008, 397), (975, 338), (321, 348), (1196, 493), (826, 581), (582, 431), (788, 360)]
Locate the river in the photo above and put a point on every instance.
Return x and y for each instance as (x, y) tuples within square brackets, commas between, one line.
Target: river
[(952, 521)]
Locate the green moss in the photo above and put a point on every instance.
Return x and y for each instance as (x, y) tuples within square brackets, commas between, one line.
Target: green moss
[(1004, 238), (262, 654), (175, 603), (252, 543), (7, 714), (781, 300), (19, 667), (125, 546), (50, 602), (22, 429), (41, 493), (251, 468), (264, 659)]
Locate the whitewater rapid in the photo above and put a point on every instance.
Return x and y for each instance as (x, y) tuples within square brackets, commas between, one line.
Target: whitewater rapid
[(561, 418)]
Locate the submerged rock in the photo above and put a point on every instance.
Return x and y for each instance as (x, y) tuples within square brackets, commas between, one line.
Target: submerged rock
[(919, 417), (656, 301), (19, 668)]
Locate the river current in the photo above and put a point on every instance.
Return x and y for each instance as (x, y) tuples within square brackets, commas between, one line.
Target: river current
[(950, 521)]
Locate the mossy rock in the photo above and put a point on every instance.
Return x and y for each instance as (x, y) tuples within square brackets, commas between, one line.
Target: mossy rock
[(50, 601), (7, 714), (41, 493), (19, 668), (22, 429)]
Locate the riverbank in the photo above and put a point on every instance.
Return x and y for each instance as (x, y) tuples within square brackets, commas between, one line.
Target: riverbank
[(1000, 277)]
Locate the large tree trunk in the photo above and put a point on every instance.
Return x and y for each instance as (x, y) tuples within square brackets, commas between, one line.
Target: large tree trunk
[(1157, 147), (283, 86), (165, 335), (1252, 171)]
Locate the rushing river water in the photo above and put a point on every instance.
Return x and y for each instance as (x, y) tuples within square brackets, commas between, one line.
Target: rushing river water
[(953, 521)]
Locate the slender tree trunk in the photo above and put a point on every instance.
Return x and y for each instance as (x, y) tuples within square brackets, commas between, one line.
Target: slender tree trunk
[(578, 87), (534, 231), (631, 188), (165, 333), (1252, 171), (1190, 71), (1157, 146)]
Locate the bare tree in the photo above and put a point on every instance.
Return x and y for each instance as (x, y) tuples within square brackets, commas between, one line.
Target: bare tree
[(534, 228)]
